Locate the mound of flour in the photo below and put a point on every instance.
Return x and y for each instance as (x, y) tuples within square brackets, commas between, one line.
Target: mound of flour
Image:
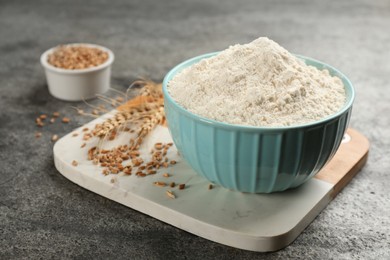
[(257, 84)]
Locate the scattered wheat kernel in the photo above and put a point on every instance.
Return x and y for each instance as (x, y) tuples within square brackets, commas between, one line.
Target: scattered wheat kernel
[(105, 171), (91, 153), (160, 183), (95, 112), (43, 117), (158, 146), (166, 175), (112, 136), (56, 114), (83, 145), (136, 163), (141, 168), (170, 194), (85, 129), (172, 184), (125, 157), (211, 186), (65, 120), (150, 163), (86, 137), (39, 122), (135, 153), (38, 134), (173, 162), (54, 138), (140, 174), (182, 186), (75, 134), (151, 172), (75, 163)]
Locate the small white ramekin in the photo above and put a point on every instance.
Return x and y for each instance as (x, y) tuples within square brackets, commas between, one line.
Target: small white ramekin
[(79, 84)]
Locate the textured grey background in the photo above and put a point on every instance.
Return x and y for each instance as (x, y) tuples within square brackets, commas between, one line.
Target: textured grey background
[(43, 215)]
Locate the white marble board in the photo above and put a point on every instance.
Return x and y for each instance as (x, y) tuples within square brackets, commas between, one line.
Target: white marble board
[(257, 222)]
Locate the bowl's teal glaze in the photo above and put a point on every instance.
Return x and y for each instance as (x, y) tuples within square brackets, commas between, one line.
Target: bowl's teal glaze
[(256, 159)]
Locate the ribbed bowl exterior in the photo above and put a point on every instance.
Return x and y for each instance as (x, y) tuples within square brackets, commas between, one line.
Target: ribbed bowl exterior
[(255, 159)]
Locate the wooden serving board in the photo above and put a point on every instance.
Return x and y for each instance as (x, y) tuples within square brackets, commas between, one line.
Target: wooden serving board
[(257, 222)]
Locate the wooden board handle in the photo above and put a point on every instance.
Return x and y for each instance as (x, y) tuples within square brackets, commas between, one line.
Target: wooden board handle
[(349, 159)]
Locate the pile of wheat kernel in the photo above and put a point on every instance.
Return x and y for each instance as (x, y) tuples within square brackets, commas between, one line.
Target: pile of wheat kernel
[(112, 160), (74, 57)]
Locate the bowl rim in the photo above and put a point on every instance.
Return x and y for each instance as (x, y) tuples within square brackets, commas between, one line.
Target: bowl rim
[(47, 65), (348, 104)]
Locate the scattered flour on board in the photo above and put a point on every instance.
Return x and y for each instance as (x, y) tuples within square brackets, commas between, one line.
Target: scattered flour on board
[(257, 84)]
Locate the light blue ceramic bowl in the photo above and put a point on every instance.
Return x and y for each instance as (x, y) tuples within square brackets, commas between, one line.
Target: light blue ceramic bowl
[(256, 159)]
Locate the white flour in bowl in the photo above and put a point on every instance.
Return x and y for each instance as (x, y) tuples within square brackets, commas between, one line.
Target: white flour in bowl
[(257, 84)]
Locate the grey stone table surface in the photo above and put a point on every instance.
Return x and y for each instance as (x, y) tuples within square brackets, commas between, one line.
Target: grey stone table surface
[(43, 215)]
